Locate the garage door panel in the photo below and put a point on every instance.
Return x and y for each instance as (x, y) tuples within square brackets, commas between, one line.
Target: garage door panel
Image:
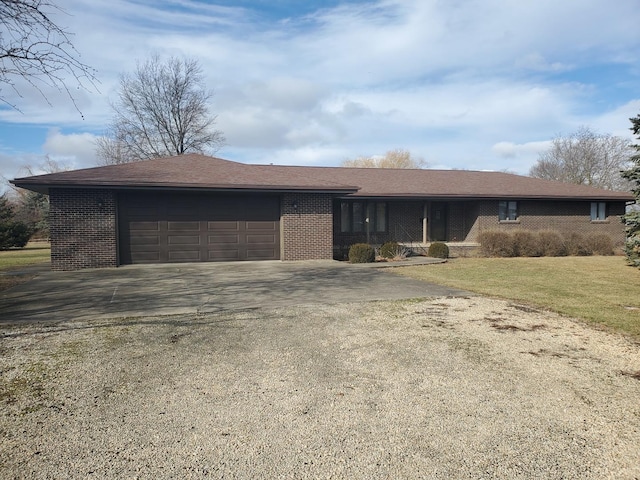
[(224, 239), (141, 240), (183, 240), (218, 226), (269, 226), (198, 227), (224, 255), (260, 254), (184, 255), (261, 239), (183, 226)]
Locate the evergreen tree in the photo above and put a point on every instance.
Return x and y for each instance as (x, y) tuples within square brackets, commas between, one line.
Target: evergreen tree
[(632, 218), (13, 233)]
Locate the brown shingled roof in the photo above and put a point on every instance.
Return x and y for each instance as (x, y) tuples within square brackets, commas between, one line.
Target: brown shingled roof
[(195, 171), (192, 171), (382, 182)]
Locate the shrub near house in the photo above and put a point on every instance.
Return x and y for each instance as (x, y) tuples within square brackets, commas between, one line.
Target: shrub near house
[(438, 250), (523, 243), (392, 250), (362, 253)]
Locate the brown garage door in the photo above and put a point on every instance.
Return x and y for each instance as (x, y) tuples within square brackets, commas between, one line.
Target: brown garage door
[(180, 227)]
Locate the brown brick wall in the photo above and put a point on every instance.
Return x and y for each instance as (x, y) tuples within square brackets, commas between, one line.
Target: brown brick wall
[(405, 221), (459, 223), (467, 218), (307, 232), (82, 228), (562, 216), (84, 234)]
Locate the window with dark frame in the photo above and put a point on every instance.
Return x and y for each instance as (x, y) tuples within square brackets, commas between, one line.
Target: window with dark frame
[(355, 213), (508, 210), (357, 217), (598, 211)]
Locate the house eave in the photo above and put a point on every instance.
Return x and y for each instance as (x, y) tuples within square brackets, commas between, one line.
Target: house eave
[(45, 187), (461, 197)]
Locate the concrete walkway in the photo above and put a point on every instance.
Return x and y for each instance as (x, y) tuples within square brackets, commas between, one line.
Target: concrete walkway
[(143, 290)]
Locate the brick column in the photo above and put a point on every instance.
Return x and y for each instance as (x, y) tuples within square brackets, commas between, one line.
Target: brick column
[(82, 228), (307, 231)]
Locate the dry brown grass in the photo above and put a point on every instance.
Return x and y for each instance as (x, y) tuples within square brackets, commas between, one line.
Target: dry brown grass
[(601, 290)]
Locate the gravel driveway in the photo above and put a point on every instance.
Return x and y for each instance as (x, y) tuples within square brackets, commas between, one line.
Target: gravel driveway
[(433, 388)]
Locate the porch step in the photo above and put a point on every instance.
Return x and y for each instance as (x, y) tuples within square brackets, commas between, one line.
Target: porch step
[(456, 249)]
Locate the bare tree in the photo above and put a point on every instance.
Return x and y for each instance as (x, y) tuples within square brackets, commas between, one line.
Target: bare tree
[(585, 158), (34, 49), (32, 208), (162, 110), (397, 158), (111, 150)]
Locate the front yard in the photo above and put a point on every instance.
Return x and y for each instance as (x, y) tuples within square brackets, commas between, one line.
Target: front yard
[(604, 291)]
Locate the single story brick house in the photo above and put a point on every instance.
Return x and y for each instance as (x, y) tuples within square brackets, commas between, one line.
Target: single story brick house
[(195, 208)]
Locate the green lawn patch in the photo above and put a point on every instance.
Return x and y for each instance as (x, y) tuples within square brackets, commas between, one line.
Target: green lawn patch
[(14, 259), (604, 291)]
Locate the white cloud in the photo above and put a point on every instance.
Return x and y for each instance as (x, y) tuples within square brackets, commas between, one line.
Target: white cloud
[(252, 127), (75, 149), (616, 121), (316, 155), (535, 61), (476, 84), (13, 166), (512, 150)]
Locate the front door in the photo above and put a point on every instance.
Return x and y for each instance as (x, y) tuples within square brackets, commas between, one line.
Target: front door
[(438, 222)]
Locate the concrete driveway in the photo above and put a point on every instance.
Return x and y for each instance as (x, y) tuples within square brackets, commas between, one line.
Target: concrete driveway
[(143, 290)]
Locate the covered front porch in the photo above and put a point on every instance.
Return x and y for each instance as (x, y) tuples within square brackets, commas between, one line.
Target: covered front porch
[(414, 223)]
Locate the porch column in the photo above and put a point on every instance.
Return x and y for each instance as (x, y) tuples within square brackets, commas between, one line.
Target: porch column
[(425, 223)]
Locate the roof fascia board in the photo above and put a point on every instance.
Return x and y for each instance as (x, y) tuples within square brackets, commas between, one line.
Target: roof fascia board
[(44, 188), (487, 197)]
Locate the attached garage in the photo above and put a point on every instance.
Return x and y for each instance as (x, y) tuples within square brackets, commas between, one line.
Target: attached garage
[(171, 227)]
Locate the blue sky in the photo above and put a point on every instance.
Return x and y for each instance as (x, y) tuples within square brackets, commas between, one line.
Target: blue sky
[(474, 84)]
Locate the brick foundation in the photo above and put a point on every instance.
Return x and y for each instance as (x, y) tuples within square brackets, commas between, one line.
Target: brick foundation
[(82, 228)]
